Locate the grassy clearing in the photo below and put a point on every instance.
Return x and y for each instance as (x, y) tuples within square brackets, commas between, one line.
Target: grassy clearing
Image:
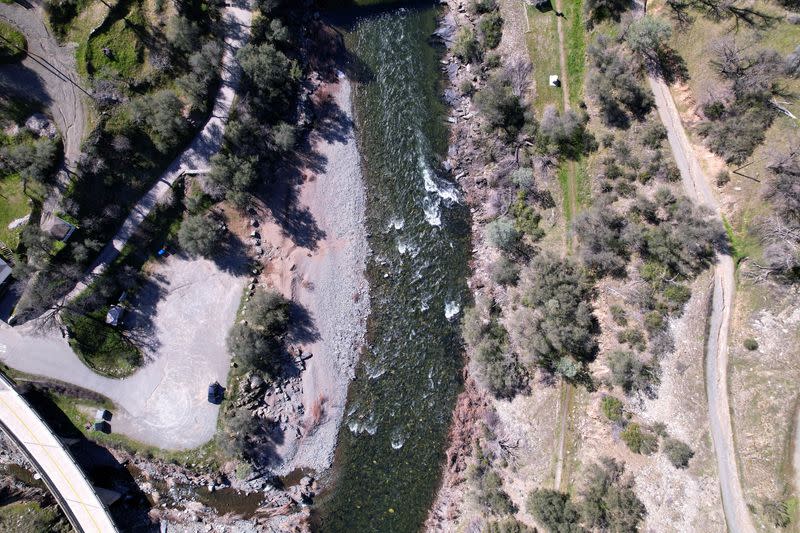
[(126, 51), (30, 517), (13, 46), (575, 40), (543, 49), (13, 205)]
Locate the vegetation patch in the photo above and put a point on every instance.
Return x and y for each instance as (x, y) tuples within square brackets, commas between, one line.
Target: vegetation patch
[(13, 46), (30, 516), (118, 49)]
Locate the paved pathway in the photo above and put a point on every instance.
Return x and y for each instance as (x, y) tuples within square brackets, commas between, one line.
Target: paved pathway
[(54, 463), (196, 156), (164, 403)]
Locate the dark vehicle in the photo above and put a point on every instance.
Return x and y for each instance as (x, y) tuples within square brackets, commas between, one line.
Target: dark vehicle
[(216, 393)]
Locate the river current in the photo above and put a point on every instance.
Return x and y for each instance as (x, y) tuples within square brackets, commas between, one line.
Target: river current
[(391, 446)]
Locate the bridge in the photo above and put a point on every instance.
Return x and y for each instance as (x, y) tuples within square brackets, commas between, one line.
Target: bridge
[(53, 461)]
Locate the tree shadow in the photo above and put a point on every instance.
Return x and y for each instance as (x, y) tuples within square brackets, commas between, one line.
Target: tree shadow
[(670, 66), (232, 257), (302, 329), (23, 82), (332, 122)]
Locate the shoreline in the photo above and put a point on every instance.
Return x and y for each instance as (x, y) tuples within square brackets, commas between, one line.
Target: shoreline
[(322, 270)]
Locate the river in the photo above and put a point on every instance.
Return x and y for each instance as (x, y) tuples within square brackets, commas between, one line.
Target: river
[(391, 445)]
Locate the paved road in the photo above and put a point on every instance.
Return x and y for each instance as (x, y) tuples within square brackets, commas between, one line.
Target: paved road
[(54, 463), (47, 74), (188, 308), (164, 403), (196, 157), (697, 187)]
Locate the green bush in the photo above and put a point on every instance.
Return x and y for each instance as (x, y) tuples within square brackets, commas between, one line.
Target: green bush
[(751, 344), (723, 177), (679, 453), (503, 234), (628, 372), (487, 486), (466, 47), (507, 525), (554, 510), (639, 440), (13, 45), (200, 236), (612, 407), (609, 501), (653, 321), (618, 315), (633, 337), (482, 6)]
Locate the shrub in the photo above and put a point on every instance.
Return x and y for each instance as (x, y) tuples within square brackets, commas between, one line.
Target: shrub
[(522, 177), (507, 525), (723, 178), (498, 370), (505, 272), (648, 35), (740, 128), (501, 108), (491, 28), (777, 513), (503, 235), (639, 440), (161, 116), (466, 88), (257, 339), (488, 486), (603, 240), (618, 315), (482, 6), (679, 453), (751, 344), (13, 45), (526, 219), (633, 337), (268, 72), (609, 501), (628, 372), (554, 510), (612, 407), (200, 236), (466, 47)]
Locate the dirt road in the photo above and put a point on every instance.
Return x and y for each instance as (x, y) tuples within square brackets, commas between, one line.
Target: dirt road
[(48, 75), (697, 188)]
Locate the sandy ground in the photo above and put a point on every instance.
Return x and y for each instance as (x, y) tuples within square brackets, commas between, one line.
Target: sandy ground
[(317, 237)]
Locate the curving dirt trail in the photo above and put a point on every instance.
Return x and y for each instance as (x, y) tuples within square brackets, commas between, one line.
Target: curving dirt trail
[(696, 186), (48, 74)]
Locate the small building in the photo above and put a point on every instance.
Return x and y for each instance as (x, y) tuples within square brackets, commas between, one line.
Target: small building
[(102, 415), (102, 426), (5, 272), (554, 81), (56, 227), (114, 315)]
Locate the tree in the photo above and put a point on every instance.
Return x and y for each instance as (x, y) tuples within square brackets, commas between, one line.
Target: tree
[(182, 33), (487, 486), (162, 115), (554, 319), (501, 108), (566, 131), (269, 73), (597, 11), (203, 65), (750, 73), (602, 233), (284, 136), (678, 452), (232, 176), (502, 234), (200, 236), (554, 510), (648, 36), (34, 161), (505, 271)]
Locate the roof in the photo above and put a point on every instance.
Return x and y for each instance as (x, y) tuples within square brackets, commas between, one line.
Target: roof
[(114, 314), (5, 271), (57, 227)]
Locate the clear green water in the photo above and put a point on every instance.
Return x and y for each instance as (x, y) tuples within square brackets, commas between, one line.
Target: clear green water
[(399, 410)]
